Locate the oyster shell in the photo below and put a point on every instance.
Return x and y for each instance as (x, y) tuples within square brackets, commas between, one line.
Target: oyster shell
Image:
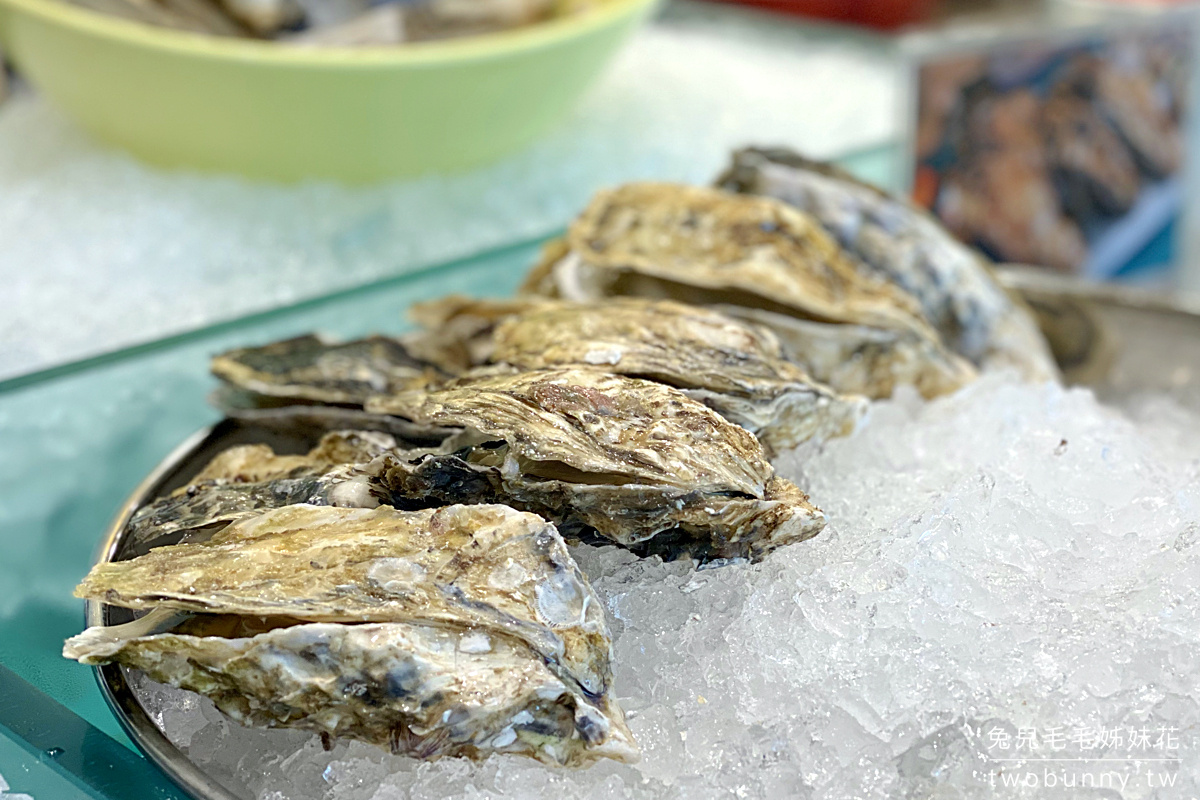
[(453, 631), (343, 23), (1008, 203), (380, 25), (487, 566), (1097, 175), (248, 479), (312, 422), (440, 19), (424, 691), (308, 369), (255, 463), (637, 462), (894, 240), (265, 17), (737, 370), (197, 16), (1126, 92), (857, 359), (457, 330), (706, 246)]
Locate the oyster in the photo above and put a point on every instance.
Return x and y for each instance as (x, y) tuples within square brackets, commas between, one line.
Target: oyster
[(440, 19), (380, 25), (1096, 172), (1129, 96), (1007, 202), (308, 369), (265, 17), (255, 463), (340, 22), (248, 479), (420, 690), (262, 18), (705, 246), (197, 16), (894, 240), (311, 422), (457, 330), (634, 461), (323, 564), (454, 631), (738, 370), (857, 359)]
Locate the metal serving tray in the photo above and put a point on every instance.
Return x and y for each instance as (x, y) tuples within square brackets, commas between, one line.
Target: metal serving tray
[(1114, 339)]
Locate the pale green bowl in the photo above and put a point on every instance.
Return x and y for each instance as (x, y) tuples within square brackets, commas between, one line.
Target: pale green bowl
[(283, 112)]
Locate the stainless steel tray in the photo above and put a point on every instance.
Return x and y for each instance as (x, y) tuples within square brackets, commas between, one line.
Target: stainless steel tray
[(1114, 339)]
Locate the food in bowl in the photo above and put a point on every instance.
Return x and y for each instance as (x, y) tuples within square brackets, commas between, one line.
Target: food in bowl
[(339, 22)]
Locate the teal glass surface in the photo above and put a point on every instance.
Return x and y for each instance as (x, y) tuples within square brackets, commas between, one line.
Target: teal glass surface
[(74, 443), (52, 750), (26, 773)]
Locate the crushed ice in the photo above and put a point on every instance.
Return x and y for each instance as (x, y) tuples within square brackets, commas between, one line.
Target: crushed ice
[(1009, 574)]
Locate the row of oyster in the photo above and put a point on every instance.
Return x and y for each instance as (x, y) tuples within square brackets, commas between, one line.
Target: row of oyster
[(407, 581)]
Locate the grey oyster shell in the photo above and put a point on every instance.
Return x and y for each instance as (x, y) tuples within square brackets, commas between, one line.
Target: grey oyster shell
[(455, 631), (710, 247), (309, 369), (736, 369), (489, 566), (636, 462), (312, 422), (457, 330), (420, 690), (892, 239), (248, 479)]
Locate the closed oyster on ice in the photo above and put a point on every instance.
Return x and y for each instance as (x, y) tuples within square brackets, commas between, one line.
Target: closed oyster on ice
[(857, 359), (707, 247), (891, 239), (420, 690), (736, 369), (509, 572), (246, 480), (308, 369), (455, 631), (637, 462)]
